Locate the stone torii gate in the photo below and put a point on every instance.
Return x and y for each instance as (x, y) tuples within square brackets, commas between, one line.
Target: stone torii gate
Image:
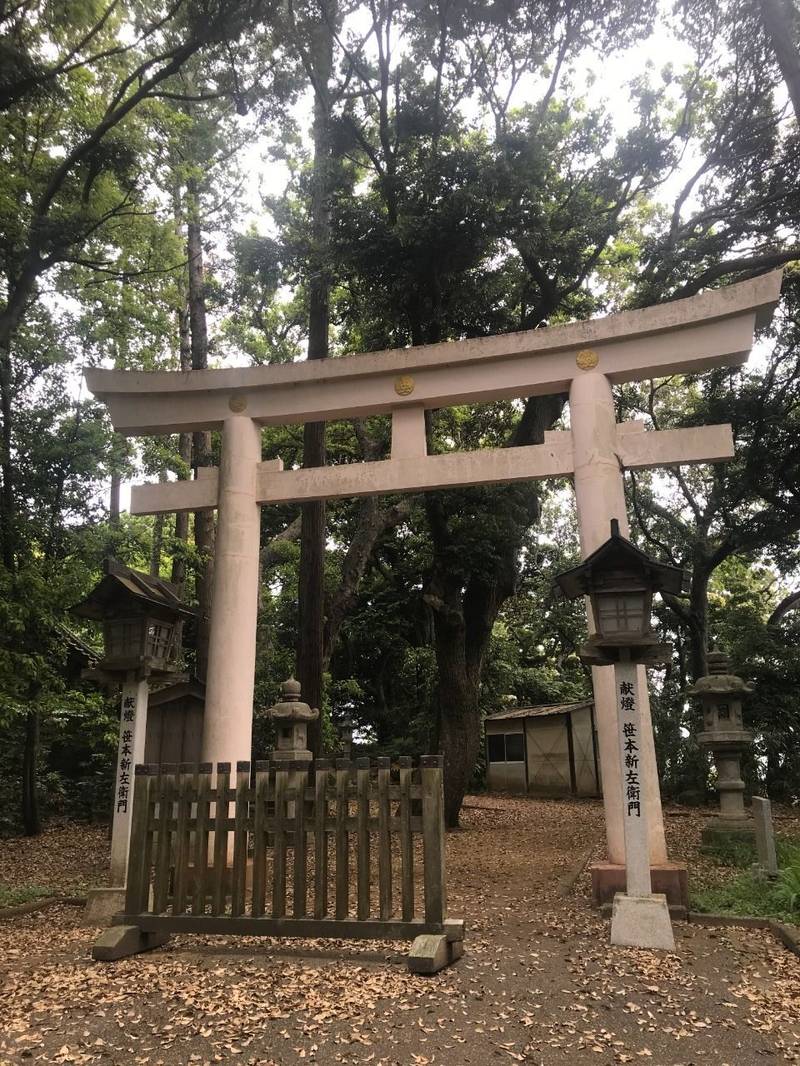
[(584, 359)]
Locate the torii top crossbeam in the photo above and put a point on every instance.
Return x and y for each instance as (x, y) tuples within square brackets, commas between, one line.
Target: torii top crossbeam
[(699, 333)]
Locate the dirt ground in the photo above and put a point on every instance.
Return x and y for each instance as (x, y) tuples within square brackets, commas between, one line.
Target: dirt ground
[(538, 983)]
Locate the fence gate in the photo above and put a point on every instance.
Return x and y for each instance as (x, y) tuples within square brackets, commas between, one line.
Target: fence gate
[(295, 849)]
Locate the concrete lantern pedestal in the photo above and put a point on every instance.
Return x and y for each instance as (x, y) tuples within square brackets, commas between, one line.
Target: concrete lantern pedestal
[(724, 735), (641, 922), (291, 717)]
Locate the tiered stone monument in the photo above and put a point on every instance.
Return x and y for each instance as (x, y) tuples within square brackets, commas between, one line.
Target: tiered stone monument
[(721, 693), (291, 717)]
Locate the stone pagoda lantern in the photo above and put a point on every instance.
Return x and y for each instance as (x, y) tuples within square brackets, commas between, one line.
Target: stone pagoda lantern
[(620, 581), (291, 717), (720, 694), (142, 618), (346, 728)]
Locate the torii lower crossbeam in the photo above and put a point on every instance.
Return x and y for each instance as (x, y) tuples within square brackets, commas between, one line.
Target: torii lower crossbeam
[(635, 449)]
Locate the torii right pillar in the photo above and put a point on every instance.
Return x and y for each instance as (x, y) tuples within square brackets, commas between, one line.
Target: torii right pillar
[(600, 496)]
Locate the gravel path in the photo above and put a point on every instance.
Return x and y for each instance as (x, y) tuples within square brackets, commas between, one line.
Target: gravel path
[(538, 984)]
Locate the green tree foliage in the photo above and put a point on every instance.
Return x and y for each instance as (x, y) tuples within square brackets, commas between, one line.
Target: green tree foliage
[(454, 170)]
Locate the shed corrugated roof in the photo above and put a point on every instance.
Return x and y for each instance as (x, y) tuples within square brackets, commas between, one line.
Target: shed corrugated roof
[(541, 711)]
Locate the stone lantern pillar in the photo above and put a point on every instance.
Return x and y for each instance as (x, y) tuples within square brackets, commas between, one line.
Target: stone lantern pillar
[(620, 581), (291, 717), (720, 694), (346, 729)]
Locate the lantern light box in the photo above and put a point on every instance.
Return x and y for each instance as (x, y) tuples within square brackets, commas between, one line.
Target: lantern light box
[(142, 619)]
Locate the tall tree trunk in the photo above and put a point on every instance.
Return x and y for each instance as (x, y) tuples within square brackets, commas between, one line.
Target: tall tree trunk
[(466, 604), (157, 544), (459, 718), (373, 521), (20, 290), (113, 501), (698, 620), (201, 442), (782, 24), (311, 585), (178, 574), (7, 509), (31, 817), (9, 320)]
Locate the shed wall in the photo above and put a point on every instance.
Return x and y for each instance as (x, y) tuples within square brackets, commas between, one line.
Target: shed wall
[(174, 732), (505, 776), (583, 746), (548, 755)]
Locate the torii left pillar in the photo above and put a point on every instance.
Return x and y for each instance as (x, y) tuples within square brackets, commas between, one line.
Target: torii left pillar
[(227, 724)]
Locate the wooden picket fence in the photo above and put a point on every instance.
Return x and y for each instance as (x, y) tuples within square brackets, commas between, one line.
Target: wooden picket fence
[(272, 851)]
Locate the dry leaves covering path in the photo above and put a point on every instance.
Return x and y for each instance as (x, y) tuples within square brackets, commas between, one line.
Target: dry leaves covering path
[(538, 984)]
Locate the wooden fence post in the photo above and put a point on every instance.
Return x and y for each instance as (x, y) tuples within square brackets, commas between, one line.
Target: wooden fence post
[(203, 778), (362, 863), (167, 787), (279, 846), (299, 867), (322, 769), (433, 837), (260, 839), (184, 795), (343, 767), (239, 873), (221, 813), (384, 840), (137, 889), (406, 838)]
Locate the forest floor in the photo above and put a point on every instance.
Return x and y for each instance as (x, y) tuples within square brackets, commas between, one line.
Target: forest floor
[(538, 983)]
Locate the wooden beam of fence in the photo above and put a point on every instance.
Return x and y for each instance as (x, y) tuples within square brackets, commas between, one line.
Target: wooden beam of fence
[(203, 779), (299, 867), (260, 840), (241, 812), (321, 779), (406, 839), (343, 767), (279, 848), (432, 836), (362, 864), (166, 795), (221, 813), (137, 891), (185, 793), (384, 841)]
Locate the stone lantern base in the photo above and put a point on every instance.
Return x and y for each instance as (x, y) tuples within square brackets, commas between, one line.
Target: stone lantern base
[(722, 833), (641, 922)]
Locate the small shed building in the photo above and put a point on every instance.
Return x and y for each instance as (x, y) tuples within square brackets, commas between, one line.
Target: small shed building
[(175, 723), (547, 751)]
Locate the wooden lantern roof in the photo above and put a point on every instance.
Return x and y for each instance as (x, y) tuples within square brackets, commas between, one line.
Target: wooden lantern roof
[(122, 590), (619, 554)]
